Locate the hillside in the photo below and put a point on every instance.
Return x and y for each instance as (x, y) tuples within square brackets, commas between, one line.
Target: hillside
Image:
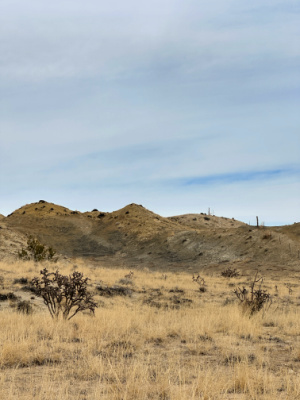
[(138, 237), (11, 241)]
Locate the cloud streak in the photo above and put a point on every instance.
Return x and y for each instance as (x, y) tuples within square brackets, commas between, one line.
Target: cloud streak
[(246, 176)]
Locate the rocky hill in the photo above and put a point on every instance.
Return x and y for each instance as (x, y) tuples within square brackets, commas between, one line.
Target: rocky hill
[(136, 237)]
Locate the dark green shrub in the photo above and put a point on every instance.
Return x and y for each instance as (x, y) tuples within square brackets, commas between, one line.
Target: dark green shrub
[(36, 251), (23, 254)]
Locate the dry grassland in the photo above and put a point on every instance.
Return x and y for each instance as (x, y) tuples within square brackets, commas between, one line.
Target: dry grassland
[(163, 339)]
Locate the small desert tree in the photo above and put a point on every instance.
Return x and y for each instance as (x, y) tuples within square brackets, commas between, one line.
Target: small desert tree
[(64, 295)]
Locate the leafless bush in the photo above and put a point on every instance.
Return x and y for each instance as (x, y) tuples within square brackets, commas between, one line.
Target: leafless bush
[(289, 288), (201, 282), (230, 273), (253, 300), (64, 295)]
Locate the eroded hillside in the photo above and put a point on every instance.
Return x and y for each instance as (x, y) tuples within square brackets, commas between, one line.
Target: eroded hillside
[(136, 236)]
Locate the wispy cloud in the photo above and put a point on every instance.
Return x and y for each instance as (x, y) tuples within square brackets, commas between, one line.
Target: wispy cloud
[(246, 176)]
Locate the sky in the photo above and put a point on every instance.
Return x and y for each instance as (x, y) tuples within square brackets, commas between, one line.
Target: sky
[(180, 106)]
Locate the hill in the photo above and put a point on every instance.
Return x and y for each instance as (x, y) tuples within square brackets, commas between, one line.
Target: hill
[(136, 237), (11, 241)]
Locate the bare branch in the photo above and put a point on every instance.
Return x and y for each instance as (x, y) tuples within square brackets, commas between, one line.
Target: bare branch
[(64, 295)]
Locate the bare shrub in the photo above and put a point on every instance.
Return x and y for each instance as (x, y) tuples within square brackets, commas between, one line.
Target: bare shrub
[(253, 300), (64, 295), (289, 287), (230, 273), (201, 282)]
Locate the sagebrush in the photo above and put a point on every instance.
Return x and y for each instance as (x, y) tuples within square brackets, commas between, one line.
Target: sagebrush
[(36, 251)]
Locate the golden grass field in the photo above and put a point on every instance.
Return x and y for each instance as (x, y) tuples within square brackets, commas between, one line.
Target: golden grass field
[(167, 341)]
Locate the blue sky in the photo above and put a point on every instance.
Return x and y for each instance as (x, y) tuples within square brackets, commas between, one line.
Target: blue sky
[(178, 106)]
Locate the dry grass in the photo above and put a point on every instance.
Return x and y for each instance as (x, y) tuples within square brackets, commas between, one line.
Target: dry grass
[(165, 341)]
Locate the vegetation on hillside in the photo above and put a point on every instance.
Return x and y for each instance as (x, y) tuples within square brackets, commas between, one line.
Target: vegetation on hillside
[(36, 251)]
